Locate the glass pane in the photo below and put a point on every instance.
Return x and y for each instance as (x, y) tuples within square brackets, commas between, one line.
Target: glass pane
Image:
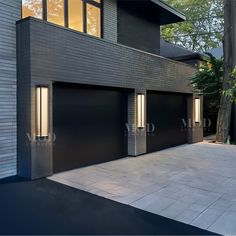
[(93, 20), (32, 8), (55, 12), (75, 15)]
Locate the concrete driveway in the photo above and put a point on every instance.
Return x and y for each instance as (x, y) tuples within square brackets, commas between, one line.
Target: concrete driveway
[(194, 184)]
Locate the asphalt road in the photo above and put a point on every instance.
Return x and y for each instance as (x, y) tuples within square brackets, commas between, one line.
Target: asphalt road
[(46, 207)]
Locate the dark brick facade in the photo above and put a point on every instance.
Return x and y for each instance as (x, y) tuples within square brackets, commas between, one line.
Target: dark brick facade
[(49, 53)]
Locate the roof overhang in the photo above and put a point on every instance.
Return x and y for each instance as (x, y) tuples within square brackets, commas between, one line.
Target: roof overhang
[(193, 56), (168, 14), (155, 10)]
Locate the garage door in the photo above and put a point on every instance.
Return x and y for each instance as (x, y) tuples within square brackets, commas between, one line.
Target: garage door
[(165, 114), (89, 124)]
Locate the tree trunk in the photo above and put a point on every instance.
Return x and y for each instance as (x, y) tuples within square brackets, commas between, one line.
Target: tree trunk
[(224, 115), (223, 120)]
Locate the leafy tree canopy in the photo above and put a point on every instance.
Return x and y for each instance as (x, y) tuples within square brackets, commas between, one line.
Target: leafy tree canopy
[(203, 29), (231, 92), (208, 80)]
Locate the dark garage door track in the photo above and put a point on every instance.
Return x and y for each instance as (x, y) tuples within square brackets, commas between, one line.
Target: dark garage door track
[(46, 207)]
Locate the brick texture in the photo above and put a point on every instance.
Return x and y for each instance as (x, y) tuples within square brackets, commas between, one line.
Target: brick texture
[(55, 54)]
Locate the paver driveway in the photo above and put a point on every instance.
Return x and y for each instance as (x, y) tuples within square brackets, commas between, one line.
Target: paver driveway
[(194, 184)]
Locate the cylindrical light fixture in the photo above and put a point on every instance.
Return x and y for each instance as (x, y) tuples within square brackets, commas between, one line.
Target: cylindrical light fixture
[(140, 110), (42, 112), (197, 110)]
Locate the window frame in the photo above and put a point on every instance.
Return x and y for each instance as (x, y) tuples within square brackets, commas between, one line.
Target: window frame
[(98, 5), (45, 13), (66, 14), (32, 16)]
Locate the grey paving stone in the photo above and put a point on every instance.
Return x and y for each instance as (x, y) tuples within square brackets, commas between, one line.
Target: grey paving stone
[(194, 184)]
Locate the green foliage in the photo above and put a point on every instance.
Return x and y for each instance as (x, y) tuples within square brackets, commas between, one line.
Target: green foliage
[(203, 29), (231, 92), (208, 79), (234, 72), (208, 82)]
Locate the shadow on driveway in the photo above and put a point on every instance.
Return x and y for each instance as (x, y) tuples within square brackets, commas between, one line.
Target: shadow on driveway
[(46, 207)]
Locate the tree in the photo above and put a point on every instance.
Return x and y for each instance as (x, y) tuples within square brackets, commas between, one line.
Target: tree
[(208, 82), (231, 92), (208, 79), (204, 27), (224, 115)]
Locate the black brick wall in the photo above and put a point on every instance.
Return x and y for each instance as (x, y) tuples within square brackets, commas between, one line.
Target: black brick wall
[(59, 54), (49, 53)]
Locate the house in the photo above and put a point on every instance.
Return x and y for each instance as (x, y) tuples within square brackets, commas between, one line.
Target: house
[(179, 53), (82, 82)]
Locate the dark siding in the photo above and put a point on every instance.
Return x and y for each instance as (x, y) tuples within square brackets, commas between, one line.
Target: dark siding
[(9, 14), (136, 29), (67, 56), (24, 106), (110, 20)]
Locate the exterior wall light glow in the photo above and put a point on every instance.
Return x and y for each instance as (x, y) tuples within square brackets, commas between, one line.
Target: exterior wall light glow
[(42, 112), (197, 110), (141, 111)]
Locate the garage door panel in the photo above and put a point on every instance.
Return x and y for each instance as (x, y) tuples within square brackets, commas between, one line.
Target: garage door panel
[(90, 126), (166, 112)]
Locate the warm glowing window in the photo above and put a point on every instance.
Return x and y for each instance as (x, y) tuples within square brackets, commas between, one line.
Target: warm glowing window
[(56, 12), (81, 15), (93, 20), (75, 15), (32, 8)]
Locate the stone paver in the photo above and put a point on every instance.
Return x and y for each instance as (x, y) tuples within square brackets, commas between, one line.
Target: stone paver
[(194, 184)]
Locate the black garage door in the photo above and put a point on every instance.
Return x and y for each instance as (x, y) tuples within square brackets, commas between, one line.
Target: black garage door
[(166, 112), (89, 124)]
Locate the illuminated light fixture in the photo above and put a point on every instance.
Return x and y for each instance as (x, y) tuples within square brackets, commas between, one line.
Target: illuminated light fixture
[(197, 110), (141, 111), (42, 111)]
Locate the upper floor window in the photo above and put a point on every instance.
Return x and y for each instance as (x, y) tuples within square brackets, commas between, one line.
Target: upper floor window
[(76, 15), (56, 12), (93, 20), (32, 8), (82, 15)]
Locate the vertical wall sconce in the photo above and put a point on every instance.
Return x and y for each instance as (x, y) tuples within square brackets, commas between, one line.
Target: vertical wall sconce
[(42, 111), (197, 110), (141, 111)]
